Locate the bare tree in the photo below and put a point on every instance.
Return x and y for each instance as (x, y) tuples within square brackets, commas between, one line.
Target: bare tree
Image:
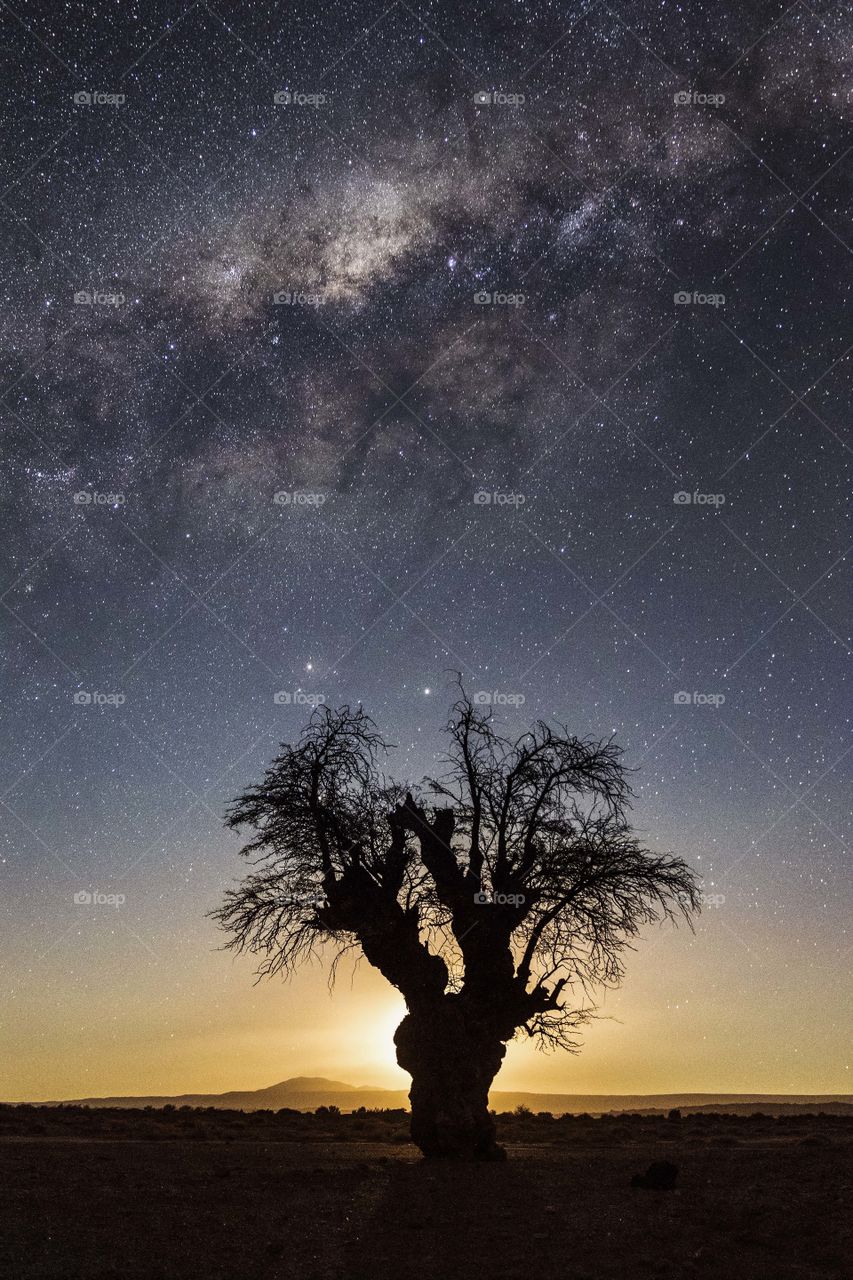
[(496, 898)]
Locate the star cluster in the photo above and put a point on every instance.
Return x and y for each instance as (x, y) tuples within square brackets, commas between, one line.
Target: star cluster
[(346, 346)]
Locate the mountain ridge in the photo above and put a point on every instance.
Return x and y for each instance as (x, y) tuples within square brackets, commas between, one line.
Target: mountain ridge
[(306, 1093)]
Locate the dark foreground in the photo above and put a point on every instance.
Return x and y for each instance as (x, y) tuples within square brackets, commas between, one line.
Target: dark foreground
[(181, 1196)]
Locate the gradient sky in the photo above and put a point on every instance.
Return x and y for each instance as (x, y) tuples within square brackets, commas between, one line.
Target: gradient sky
[(483, 300)]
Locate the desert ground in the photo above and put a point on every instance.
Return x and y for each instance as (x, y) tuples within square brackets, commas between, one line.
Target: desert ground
[(201, 1195)]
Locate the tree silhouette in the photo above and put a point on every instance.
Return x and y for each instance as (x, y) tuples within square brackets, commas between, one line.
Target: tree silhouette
[(495, 898)]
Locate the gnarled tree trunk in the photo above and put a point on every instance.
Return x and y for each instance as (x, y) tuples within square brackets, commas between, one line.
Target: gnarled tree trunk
[(452, 1061)]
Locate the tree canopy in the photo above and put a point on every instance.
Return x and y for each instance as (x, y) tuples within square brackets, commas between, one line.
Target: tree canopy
[(511, 881)]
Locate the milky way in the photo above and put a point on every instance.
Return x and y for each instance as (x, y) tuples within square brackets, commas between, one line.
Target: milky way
[(344, 347)]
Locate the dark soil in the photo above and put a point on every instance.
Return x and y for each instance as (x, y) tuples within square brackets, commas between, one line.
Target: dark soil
[(186, 1196)]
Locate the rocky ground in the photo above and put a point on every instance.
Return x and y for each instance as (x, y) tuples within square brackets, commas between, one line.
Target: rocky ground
[(190, 1195)]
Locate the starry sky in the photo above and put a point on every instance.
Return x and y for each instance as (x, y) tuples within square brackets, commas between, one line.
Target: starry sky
[(346, 346)]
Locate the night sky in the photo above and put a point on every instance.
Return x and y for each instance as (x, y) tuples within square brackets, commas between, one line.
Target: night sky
[(322, 377)]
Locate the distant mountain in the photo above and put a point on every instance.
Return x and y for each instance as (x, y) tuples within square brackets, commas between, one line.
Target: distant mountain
[(688, 1103), (306, 1093), (303, 1093), (660, 1104), (309, 1084)]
